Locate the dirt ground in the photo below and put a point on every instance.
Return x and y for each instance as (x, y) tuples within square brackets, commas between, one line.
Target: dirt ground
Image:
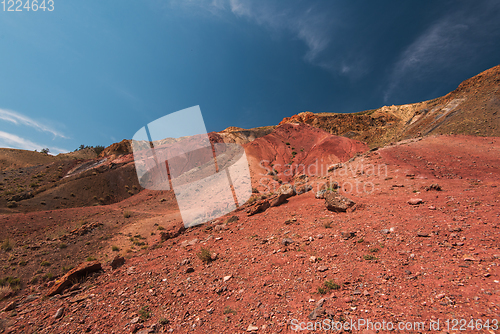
[(384, 260)]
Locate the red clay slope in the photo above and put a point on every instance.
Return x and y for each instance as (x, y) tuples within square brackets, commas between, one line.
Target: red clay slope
[(293, 149), (392, 261)]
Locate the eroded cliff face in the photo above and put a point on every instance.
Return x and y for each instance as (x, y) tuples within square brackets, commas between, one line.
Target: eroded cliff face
[(471, 109)]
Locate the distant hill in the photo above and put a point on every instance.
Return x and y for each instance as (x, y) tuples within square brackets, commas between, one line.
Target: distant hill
[(37, 181), (471, 109)]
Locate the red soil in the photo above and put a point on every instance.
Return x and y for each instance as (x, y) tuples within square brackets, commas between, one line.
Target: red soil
[(392, 261)]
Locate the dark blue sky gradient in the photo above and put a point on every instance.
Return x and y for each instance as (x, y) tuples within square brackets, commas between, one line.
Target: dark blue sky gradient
[(94, 72)]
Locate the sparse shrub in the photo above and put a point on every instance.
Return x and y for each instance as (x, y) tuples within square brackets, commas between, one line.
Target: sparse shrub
[(98, 149), (48, 276), (287, 143), (12, 204), (62, 246), (127, 214), (360, 241), (144, 313), (67, 268), (163, 321), (135, 240), (204, 255), (130, 192), (34, 185), (45, 263), (374, 250), (22, 263), (369, 257), (328, 286), (12, 282), (6, 245), (228, 310), (90, 258), (5, 291), (115, 248), (331, 285), (160, 228), (327, 224)]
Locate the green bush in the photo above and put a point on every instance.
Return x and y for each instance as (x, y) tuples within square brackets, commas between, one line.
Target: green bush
[(204, 255)]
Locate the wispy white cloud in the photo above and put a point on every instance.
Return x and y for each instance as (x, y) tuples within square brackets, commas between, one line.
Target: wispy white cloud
[(315, 24), (20, 119), (450, 42), (309, 24), (10, 140)]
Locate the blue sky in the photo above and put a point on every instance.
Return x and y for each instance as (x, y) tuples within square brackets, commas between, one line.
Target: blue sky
[(94, 72)]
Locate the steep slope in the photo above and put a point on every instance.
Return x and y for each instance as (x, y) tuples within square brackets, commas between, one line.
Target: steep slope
[(385, 260), (471, 109), (294, 149)]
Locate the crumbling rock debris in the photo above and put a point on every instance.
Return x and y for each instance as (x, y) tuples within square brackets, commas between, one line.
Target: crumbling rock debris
[(415, 201), (434, 186), (231, 219), (335, 166), (277, 201), (173, 232), (284, 192), (348, 235), (259, 207), (59, 313), (337, 203), (118, 261), (76, 273), (318, 310), (304, 189), (86, 228), (252, 328), (321, 194)]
